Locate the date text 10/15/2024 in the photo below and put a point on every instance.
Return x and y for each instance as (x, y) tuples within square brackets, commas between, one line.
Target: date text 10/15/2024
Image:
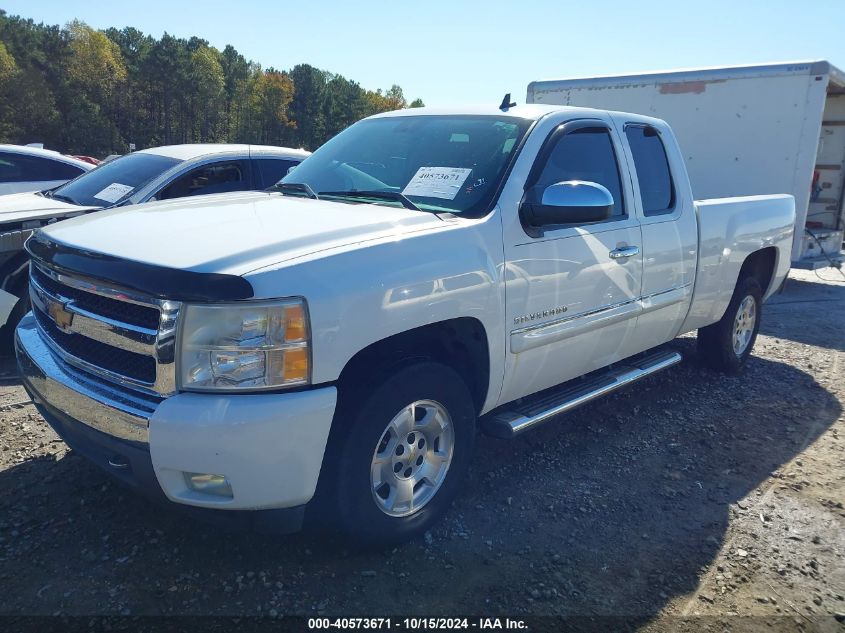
[(416, 624)]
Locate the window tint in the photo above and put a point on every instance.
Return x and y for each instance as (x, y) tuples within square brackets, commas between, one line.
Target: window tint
[(585, 154), (33, 168), (442, 163), (115, 180), (221, 177), (65, 171), (652, 168), (271, 170), (24, 168), (11, 170)]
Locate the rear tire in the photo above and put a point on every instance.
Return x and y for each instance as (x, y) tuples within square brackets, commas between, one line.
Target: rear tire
[(399, 455), (727, 344)]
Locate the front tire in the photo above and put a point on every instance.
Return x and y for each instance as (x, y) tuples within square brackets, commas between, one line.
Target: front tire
[(727, 344), (401, 454)]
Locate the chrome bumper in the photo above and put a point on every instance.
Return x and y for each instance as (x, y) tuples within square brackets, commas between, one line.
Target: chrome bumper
[(104, 407)]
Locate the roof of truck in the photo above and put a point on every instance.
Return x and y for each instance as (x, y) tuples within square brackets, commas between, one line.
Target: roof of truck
[(802, 67), (525, 111), (529, 111)]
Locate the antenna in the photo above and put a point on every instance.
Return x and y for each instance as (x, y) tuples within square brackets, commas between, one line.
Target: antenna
[(507, 103)]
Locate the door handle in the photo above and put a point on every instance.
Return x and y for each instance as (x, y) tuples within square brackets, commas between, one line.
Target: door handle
[(625, 251)]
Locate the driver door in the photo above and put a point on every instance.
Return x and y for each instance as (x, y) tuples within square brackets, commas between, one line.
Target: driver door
[(571, 290)]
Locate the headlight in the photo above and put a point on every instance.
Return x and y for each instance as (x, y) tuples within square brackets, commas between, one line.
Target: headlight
[(244, 346)]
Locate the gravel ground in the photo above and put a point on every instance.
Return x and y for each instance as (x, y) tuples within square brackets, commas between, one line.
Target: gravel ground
[(690, 495)]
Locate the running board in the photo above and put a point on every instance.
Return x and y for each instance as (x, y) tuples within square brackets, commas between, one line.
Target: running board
[(532, 411)]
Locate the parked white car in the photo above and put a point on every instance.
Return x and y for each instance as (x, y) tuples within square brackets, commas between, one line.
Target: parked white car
[(327, 353), (161, 173), (25, 168)]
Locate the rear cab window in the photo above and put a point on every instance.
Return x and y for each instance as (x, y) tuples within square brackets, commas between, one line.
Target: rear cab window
[(657, 189)]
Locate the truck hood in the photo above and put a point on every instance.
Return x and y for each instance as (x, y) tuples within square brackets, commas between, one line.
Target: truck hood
[(234, 233), (17, 207)]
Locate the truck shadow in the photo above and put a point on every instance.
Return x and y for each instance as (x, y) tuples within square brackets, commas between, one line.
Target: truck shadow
[(639, 488), (612, 510), (803, 297)]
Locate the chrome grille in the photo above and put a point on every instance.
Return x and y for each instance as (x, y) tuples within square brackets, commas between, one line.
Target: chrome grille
[(144, 316), (110, 332), (114, 359)]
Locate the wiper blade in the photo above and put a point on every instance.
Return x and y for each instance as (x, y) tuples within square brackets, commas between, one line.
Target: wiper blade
[(64, 198), (296, 187), (48, 193), (383, 195)]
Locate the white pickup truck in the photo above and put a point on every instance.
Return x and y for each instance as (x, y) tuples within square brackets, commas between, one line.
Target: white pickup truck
[(325, 353)]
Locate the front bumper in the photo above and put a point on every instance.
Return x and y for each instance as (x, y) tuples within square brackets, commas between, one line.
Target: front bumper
[(269, 446)]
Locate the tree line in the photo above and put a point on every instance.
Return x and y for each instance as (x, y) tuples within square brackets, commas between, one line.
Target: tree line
[(84, 91)]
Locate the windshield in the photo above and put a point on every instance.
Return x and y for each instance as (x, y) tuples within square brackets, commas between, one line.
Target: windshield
[(115, 180), (439, 163)]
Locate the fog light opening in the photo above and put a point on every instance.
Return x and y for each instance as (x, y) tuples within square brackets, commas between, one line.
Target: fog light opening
[(209, 484)]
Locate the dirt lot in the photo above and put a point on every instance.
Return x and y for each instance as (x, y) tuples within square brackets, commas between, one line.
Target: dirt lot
[(690, 494)]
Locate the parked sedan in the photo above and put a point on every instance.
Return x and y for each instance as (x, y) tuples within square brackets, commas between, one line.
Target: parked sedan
[(26, 168), (161, 173)]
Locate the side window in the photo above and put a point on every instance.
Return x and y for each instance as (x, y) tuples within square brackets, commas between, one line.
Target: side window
[(65, 171), (22, 168), (269, 171), (10, 169), (220, 177), (585, 154), (652, 165)]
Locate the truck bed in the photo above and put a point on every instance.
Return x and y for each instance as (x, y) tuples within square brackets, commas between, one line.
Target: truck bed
[(729, 230)]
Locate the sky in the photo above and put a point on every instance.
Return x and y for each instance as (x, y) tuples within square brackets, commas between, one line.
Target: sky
[(467, 51)]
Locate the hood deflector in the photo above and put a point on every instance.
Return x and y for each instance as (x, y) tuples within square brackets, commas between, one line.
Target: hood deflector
[(155, 281)]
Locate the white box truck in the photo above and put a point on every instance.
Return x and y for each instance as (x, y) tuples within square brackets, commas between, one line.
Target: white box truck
[(744, 130)]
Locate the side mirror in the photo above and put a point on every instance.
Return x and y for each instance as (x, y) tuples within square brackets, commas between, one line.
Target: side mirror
[(569, 202)]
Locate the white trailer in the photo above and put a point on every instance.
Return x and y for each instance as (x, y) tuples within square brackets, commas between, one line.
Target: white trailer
[(744, 130)]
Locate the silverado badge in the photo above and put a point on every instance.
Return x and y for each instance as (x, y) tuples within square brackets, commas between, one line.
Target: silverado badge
[(542, 314)]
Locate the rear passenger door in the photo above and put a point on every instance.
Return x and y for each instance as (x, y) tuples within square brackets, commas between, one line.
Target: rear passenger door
[(268, 171), (669, 232), (571, 291)]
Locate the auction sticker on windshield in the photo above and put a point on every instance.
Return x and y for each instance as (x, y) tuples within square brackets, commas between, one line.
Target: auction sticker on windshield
[(113, 192), (437, 182)]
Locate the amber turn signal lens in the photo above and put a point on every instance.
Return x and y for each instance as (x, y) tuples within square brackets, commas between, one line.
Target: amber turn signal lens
[(296, 365), (295, 327)]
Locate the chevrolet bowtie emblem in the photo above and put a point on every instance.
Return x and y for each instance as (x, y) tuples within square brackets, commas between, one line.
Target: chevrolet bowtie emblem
[(61, 317)]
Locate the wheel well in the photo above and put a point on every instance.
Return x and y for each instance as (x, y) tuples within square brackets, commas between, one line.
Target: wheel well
[(760, 265), (14, 274), (459, 343)]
